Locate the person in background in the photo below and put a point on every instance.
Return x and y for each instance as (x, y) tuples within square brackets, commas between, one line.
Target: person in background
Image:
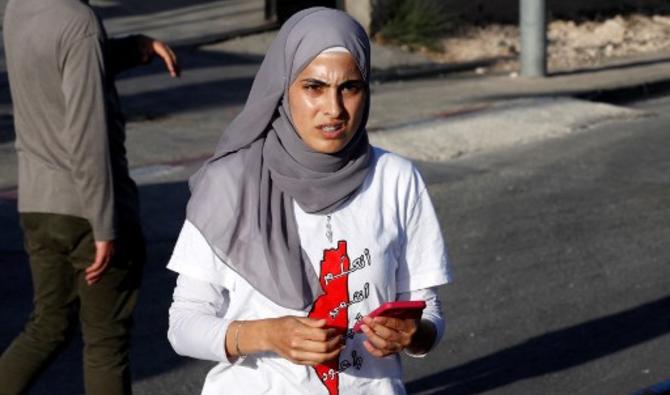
[(78, 205), (297, 229)]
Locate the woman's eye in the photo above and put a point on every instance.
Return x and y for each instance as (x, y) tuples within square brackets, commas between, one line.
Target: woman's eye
[(351, 88), (312, 87)]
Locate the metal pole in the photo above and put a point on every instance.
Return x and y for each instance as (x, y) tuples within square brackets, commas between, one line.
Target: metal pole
[(271, 10), (533, 21)]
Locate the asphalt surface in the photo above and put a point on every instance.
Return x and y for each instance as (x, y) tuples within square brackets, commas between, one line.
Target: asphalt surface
[(559, 255), (560, 259)]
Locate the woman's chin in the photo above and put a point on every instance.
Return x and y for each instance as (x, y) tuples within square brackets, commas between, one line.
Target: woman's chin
[(329, 146), (329, 142)]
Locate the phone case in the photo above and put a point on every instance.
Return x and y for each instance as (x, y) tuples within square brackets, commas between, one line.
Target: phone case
[(399, 309)]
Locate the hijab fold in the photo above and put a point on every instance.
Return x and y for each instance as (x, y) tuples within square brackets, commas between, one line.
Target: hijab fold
[(242, 198)]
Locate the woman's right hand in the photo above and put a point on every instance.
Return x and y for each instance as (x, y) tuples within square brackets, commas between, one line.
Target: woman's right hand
[(302, 340)]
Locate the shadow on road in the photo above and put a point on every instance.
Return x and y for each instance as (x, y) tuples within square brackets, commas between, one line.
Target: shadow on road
[(552, 351), (191, 59), (618, 66), (5, 97), (225, 82)]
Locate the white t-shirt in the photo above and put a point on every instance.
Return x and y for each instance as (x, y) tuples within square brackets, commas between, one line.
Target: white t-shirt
[(381, 245)]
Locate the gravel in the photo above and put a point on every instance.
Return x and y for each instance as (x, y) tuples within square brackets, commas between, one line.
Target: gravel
[(572, 45)]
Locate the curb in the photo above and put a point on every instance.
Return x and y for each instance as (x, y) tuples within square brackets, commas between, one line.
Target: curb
[(456, 112), (627, 94), (223, 36), (9, 195), (425, 70)]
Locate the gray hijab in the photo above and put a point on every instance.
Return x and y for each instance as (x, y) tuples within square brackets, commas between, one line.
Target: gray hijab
[(242, 198)]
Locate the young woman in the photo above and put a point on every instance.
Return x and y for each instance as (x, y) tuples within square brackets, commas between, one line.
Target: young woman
[(297, 229)]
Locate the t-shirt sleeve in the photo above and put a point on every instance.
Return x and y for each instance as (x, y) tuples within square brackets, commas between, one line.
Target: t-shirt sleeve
[(423, 260), (194, 257), (201, 298)]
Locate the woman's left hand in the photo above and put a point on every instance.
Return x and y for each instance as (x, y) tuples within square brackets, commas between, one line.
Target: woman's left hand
[(387, 335)]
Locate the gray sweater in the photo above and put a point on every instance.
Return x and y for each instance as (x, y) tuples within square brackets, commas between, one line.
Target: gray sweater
[(69, 128)]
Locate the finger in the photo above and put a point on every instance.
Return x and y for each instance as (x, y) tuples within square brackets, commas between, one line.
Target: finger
[(169, 58), (381, 343), (374, 338), (390, 322), (316, 329), (103, 254), (93, 278), (401, 337), (373, 350), (402, 325), (98, 266), (93, 275), (322, 347), (384, 332), (381, 328), (312, 358), (100, 256), (175, 61), (317, 334), (320, 323)]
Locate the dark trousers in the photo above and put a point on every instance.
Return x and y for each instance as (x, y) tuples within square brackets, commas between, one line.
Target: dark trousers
[(60, 248)]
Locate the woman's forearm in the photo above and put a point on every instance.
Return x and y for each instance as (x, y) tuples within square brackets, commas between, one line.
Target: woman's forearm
[(246, 337), (300, 340)]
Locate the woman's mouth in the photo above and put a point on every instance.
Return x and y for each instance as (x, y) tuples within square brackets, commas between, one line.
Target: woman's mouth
[(331, 130)]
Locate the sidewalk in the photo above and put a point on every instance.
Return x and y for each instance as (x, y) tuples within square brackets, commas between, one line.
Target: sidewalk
[(424, 110), (421, 109), (435, 111), (183, 22), (409, 91)]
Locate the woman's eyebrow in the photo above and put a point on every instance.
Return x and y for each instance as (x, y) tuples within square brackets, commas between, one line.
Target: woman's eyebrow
[(315, 81), (324, 83), (353, 82)]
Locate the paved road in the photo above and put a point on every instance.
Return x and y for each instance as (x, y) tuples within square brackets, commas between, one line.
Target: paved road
[(560, 259)]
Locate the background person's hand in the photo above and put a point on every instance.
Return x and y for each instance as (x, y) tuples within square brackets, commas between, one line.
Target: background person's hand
[(104, 250), (387, 335), (150, 47), (303, 341)]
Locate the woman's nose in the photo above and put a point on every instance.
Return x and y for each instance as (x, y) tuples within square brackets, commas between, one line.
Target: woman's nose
[(334, 106)]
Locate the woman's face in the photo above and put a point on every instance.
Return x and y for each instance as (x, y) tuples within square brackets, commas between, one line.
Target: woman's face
[(327, 101)]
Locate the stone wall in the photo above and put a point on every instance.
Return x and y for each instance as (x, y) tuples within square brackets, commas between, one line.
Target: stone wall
[(369, 12), (508, 10)]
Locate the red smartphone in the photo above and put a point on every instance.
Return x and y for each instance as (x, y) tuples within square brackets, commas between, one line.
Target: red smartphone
[(399, 309)]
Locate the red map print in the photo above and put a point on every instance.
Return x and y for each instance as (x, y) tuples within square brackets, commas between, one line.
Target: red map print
[(333, 306)]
